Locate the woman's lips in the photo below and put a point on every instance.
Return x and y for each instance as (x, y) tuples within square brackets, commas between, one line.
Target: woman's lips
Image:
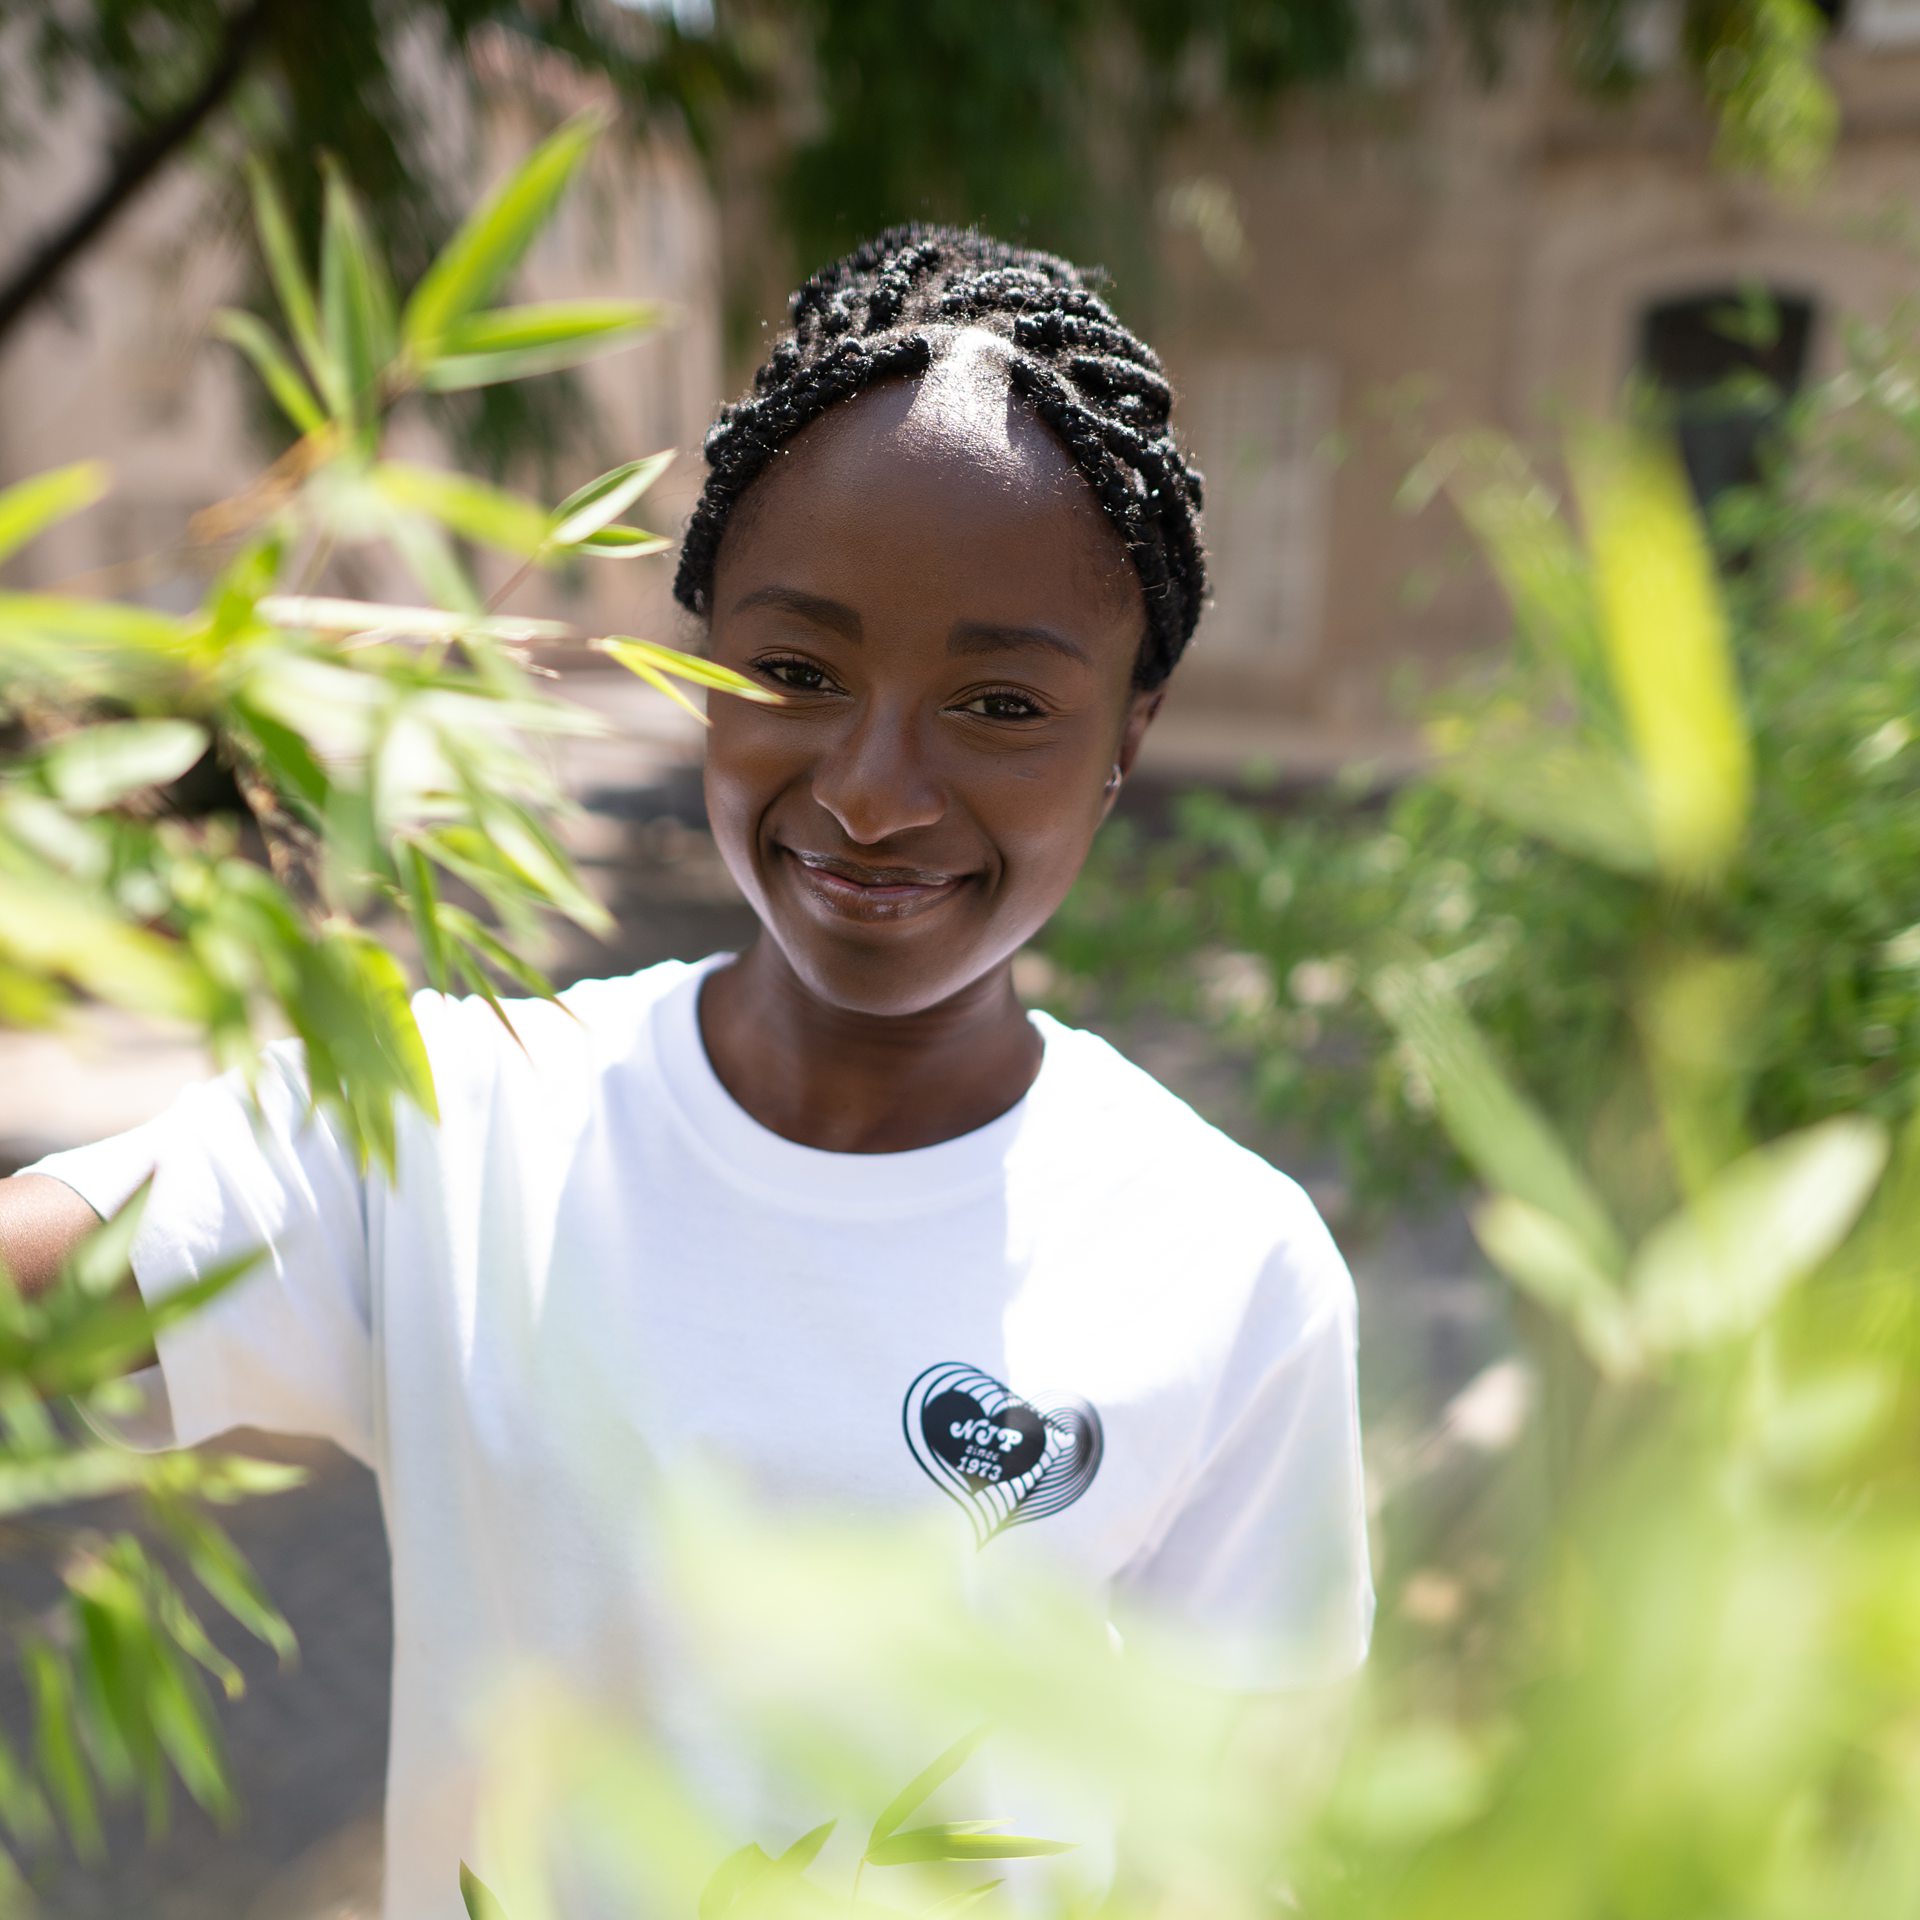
[(870, 893)]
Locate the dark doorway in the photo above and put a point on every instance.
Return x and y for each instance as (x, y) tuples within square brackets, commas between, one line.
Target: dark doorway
[(1724, 365)]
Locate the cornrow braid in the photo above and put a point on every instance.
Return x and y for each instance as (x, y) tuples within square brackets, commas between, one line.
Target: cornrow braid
[(878, 314)]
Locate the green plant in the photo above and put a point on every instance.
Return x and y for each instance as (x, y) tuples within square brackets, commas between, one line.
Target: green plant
[(381, 763)]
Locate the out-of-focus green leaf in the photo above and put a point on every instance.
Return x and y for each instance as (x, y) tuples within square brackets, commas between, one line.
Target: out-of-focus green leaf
[(183, 1718), (959, 1841), (217, 1564), (470, 507), (1718, 1269), (480, 1902), (318, 614), (1501, 1132), (804, 1851), (256, 340), (491, 242), (290, 282), (604, 499), (57, 1743), (515, 343), (100, 765), (965, 1898), (735, 1876), (649, 659), (924, 1785), (23, 1806), (622, 543), (1573, 797), (110, 623), (356, 299), (1667, 645), (1547, 1258), (30, 506), (48, 926)]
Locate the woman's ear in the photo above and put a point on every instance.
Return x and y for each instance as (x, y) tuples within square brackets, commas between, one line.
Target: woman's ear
[(1140, 712)]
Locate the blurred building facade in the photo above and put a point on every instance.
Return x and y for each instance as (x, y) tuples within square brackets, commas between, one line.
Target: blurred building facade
[(1422, 253), (1437, 255)]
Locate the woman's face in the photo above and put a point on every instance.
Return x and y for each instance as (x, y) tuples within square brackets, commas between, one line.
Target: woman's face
[(954, 622)]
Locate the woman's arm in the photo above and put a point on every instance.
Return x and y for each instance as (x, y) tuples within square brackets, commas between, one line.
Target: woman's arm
[(42, 1220)]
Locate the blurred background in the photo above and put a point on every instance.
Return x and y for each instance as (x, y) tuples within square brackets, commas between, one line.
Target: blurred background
[(1352, 229)]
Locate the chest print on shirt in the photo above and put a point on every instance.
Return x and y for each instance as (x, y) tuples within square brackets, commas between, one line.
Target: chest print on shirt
[(999, 1458)]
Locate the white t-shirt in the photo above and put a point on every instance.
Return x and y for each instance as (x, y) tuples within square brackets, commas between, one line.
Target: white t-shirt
[(1095, 1330)]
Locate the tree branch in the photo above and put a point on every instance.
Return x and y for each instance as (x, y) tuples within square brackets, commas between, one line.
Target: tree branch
[(138, 160)]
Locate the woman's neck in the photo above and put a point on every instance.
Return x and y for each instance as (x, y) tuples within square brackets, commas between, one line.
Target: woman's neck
[(850, 1082)]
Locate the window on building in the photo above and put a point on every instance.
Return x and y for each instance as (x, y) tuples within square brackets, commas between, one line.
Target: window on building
[(1725, 363)]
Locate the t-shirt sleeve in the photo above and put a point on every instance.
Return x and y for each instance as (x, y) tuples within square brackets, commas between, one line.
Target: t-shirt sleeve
[(288, 1347), (1261, 1575)]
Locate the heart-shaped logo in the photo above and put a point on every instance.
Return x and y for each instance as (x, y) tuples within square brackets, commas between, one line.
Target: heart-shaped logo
[(1001, 1459)]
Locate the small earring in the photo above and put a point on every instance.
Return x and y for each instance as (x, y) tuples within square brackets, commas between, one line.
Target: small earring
[(1113, 779)]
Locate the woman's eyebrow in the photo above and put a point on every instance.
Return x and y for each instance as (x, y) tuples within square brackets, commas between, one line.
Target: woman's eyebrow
[(979, 636), (809, 606)]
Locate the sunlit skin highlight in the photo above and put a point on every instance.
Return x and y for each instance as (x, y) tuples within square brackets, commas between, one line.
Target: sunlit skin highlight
[(955, 622)]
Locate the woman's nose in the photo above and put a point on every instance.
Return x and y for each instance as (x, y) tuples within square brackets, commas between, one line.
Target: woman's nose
[(876, 779)]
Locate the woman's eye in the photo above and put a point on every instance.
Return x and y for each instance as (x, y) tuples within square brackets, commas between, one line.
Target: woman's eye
[(1004, 706), (801, 676)]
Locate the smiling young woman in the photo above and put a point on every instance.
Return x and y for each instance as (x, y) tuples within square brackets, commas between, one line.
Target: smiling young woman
[(841, 1186)]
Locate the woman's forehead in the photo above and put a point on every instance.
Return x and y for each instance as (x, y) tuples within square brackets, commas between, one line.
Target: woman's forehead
[(948, 474)]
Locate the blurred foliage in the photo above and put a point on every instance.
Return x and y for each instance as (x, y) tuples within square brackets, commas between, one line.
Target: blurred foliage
[(1522, 861), (1042, 119), (386, 762)]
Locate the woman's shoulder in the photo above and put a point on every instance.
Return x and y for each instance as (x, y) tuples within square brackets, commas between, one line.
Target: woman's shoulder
[(587, 1024), (1146, 1129)]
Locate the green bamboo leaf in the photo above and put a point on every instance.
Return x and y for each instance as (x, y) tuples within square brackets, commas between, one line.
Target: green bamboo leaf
[(1667, 647), (190, 1635), (217, 1564), (804, 1851), (551, 323), (490, 244), (1502, 1134), (659, 682), (605, 498), (1545, 1257), (256, 340), (457, 924), (100, 765), (57, 1742), (423, 904), (959, 1841), (50, 926), (518, 343), (480, 1901), (355, 296), (519, 834), (469, 507), (23, 1807), (1586, 802), (1715, 1271), (633, 654), (622, 543), (924, 1785), (320, 614), (109, 623), (735, 1876), (966, 1897), (183, 1719), (31, 506), (473, 978), (290, 282)]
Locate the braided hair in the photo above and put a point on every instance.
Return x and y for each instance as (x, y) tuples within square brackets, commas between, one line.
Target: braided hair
[(884, 312)]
